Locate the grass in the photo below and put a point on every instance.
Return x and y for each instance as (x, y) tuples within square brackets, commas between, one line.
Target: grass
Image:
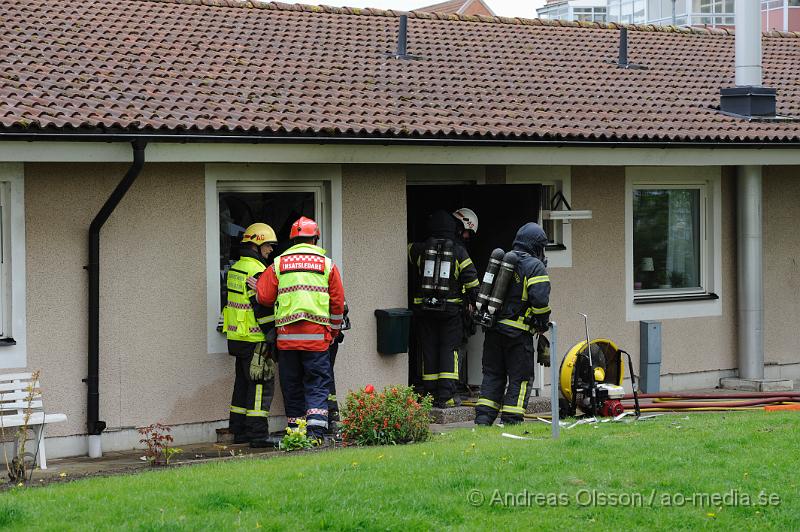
[(428, 486)]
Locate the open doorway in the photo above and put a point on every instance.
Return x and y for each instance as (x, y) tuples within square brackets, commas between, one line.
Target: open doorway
[(501, 210)]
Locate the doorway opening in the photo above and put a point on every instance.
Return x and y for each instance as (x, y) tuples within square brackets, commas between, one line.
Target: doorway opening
[(501, 210)]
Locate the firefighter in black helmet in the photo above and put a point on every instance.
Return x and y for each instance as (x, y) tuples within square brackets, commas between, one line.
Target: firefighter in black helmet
[(508, 346), (444, 280)]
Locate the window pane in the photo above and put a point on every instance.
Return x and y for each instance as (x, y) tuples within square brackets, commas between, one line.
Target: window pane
[(666, 238)]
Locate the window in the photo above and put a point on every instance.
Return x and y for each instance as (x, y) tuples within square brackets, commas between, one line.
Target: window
[(12, 267), (238, 195), (668, 235), (673, 242), (552, 179)]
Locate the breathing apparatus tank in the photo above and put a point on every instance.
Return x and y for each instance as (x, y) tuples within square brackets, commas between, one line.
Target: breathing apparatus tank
[(502, 280), (481, 316), (437, 268)]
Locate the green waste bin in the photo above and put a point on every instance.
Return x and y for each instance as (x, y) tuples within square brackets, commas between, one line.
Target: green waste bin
[(393, 329)]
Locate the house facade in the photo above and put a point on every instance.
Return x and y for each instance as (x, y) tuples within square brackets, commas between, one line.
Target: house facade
[(268, 111)]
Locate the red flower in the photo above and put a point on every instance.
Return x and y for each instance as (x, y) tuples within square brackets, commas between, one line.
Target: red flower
[(369, 388)]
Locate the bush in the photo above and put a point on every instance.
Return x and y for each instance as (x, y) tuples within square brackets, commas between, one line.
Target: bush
[(396, 415)]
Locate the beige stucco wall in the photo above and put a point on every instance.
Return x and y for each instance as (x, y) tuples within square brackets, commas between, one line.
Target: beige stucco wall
[(153, 360), (375, 277), (595, 285), (781, 268)]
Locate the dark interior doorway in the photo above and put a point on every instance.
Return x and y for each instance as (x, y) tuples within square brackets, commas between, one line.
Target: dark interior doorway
[(501, 210)]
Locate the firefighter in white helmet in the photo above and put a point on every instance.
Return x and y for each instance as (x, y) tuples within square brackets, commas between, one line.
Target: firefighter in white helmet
[(469, 220), (247, 324)]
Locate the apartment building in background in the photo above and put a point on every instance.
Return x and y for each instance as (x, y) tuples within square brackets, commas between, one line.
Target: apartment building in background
[(781, 15)]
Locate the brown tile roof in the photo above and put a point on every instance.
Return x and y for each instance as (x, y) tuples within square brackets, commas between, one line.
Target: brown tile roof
[(269, 69)]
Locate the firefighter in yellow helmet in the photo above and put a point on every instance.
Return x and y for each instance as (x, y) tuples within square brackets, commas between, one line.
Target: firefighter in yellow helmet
[(248, 327)]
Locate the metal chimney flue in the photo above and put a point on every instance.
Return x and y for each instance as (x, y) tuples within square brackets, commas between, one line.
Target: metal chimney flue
[(749, 99)]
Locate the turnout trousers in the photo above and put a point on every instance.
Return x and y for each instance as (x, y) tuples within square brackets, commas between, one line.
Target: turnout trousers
[(251, 400), (506, 360), (305, 381), (440, 338)]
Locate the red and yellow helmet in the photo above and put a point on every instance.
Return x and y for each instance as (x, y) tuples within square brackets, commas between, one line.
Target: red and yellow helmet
[(304, 227)]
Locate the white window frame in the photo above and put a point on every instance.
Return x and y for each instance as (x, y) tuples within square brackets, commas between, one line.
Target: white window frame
[(656, 304), (323, 180), (705, 275), (12, 271), (561, 178)]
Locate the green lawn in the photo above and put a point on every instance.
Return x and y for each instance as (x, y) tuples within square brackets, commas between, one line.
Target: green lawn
[(430, 486)]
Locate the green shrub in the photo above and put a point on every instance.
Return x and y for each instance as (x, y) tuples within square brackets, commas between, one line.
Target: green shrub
[(296, 439), (396, 415)]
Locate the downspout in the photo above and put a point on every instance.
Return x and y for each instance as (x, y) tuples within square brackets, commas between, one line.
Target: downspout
[(94, 426)]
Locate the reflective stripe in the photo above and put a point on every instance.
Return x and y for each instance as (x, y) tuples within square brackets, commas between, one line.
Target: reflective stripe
[(488, 402), (257, 402), (517, 324), (417, 300), (539, 279), (317, 423), (520, 406), (454, 374), (238, 410), (543, 310), (337, 316), (430, 376), (303, 288), (294, 420), (266, 319), (465, 263), (301, 337), (257, 413), (317, 412), (472, 284), (297, 316), (455, 300), (240, 306), (234, 328)]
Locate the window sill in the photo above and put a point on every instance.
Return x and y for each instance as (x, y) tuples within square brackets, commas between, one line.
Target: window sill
[(7, 342), (674, 298), (555, 247)]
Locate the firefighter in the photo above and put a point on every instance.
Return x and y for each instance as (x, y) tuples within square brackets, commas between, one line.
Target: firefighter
[(469, 221), (508, 346), (245, 323), (438, 323), (306, 289)]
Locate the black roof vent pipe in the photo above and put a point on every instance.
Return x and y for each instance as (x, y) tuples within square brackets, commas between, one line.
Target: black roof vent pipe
[(623, 61), (402, 41)]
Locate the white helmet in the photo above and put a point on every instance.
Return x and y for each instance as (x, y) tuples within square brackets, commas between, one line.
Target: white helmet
[(468, 218)]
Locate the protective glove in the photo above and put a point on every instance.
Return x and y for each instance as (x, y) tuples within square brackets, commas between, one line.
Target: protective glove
[(543, 350), (258, 364)]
